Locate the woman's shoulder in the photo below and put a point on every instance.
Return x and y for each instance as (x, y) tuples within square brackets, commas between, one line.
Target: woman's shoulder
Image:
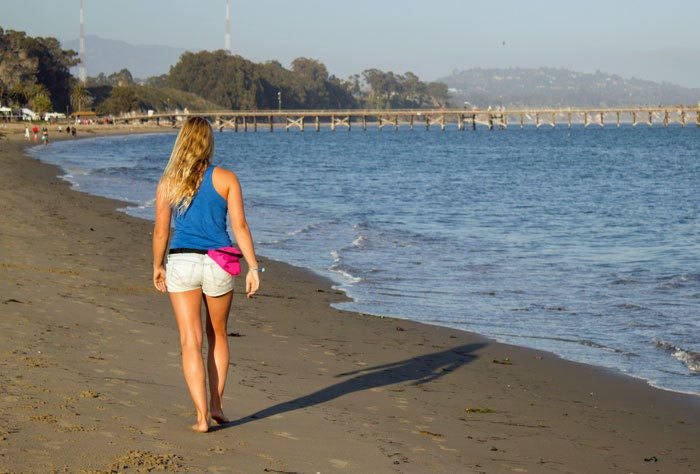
[(223, 180), (223, 174)]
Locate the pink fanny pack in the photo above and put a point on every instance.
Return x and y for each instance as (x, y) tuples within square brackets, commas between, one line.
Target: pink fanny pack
[(227, 258)]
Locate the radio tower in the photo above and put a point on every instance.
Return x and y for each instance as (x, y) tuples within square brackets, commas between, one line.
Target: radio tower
[(82, 70), (227, 41)]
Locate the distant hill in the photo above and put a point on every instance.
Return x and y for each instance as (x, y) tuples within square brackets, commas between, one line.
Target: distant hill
[(146, 98), (550, 87), (108, 56)]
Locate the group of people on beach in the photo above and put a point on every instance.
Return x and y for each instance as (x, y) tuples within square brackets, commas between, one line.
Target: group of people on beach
[(35, 131), (45, 133)]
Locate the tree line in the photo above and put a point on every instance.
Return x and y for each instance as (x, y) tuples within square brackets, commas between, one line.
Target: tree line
[(237, 83), (35, 72)]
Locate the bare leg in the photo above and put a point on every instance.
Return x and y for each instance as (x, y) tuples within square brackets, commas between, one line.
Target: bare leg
[(188, 306), (218, 356)]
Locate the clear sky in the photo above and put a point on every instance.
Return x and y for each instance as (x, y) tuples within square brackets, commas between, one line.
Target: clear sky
[(657, 40)]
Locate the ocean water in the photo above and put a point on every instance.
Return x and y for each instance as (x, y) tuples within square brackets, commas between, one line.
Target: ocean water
[(582, 242)]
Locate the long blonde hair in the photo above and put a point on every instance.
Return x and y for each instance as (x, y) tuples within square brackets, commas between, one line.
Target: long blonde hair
[(191, 156)]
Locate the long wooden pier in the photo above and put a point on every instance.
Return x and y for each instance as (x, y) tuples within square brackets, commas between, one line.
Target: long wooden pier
[(461, 119)]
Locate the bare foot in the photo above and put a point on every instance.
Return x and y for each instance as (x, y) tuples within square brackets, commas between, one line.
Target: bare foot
[(201, 426), (219, 417)]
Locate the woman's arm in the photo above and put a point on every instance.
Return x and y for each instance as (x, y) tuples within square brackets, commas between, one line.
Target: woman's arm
[(241, 231), (161, 233)]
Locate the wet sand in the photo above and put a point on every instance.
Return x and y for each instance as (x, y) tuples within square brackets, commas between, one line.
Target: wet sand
[(90, 374)]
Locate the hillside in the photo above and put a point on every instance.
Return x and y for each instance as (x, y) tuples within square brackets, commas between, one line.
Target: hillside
[(106, 56), (550, 87), (143, 98)]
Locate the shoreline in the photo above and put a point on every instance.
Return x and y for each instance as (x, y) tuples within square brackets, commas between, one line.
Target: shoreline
[(337, 283), (312, 388)]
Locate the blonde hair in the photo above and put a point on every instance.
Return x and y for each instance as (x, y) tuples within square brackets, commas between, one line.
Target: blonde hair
[(191, 156)]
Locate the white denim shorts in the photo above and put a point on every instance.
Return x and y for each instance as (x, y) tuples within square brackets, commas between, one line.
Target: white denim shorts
[(190, 271)]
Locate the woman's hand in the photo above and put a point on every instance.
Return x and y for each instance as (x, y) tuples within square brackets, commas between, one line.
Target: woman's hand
[(252, 283), (159, 278)]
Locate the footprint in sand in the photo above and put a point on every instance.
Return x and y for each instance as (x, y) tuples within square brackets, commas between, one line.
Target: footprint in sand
[(284, 434), (338, 463), (55, 445), (401, 403)]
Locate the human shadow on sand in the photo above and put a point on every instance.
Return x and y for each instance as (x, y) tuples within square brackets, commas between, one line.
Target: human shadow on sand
[(419, 370)]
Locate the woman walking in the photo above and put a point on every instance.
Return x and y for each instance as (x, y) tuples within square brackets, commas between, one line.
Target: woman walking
[(196, 197)]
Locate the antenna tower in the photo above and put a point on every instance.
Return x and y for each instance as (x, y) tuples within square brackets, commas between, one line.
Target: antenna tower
[(82, 69), (227, 41)]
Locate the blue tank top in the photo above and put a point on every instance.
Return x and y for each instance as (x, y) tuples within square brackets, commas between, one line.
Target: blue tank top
[(203, 225)]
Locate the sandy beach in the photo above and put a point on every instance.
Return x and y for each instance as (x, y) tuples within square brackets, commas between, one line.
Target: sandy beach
[(91, 381)]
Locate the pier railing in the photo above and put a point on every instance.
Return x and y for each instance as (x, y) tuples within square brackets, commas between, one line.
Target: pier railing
[(462, 119)]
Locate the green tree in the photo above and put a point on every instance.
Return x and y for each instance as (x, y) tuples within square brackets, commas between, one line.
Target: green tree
[(414, 90), (120, 100), (237, 83), (26, 61), (18, 95), (122, 78), (40, 99), (80, 98), (438, 93), (219, 77)]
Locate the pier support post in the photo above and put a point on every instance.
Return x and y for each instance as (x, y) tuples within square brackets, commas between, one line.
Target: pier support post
[(490, 120), (634, 119), (332, 123), (666, 118), (537, 120), (697, 118), (411, 122), (317, 124), (651, 118), (569, 119), (245, 123), (255, 123), (364, 123), (460, 122), (474, 121), (683, 118), (290, 122), (271, 122), (522, 121), (585, 120), (618, 119), (235, 124), (396, 123)]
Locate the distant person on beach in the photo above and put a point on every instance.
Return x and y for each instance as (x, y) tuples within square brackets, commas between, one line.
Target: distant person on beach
[(26, 133), (73, 131), (45, 136), (35, 130), (68, 130), (196, 197)]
